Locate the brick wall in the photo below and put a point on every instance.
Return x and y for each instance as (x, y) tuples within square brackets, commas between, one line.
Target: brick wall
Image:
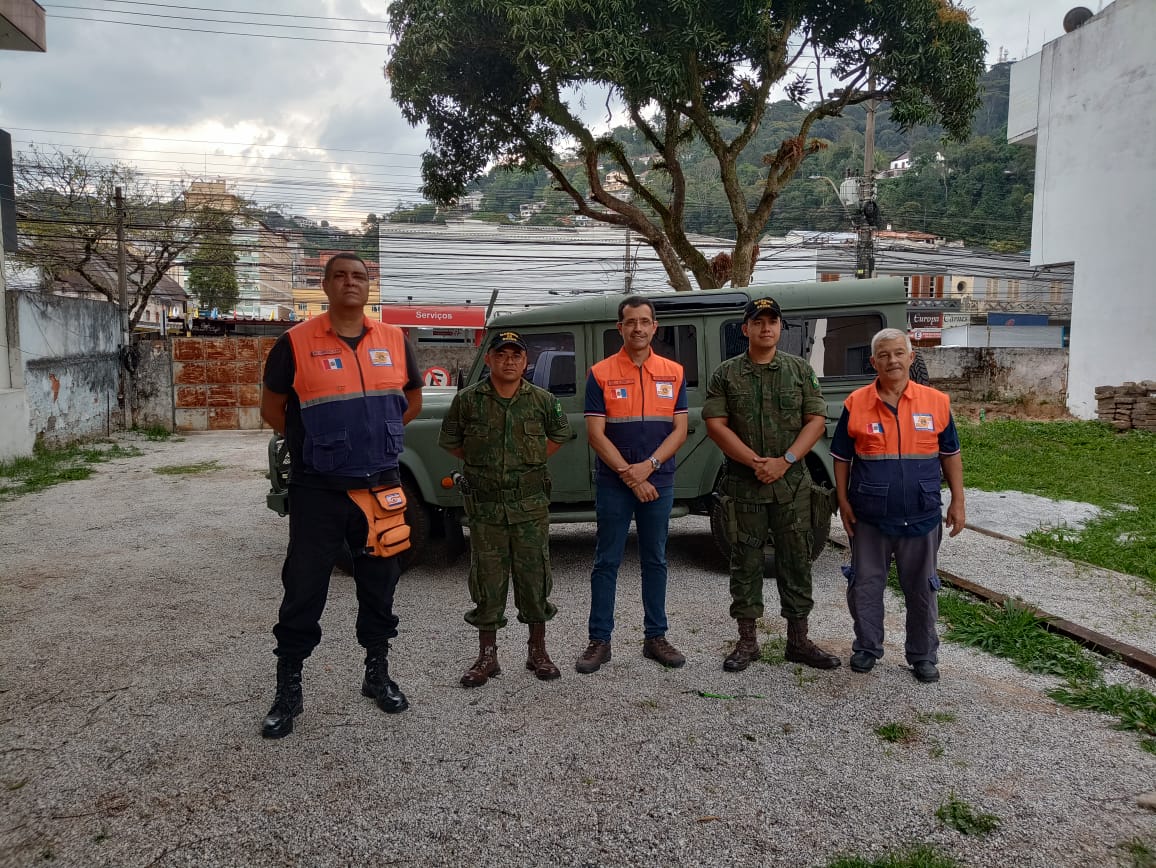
[(1131, 405), (217, 382)]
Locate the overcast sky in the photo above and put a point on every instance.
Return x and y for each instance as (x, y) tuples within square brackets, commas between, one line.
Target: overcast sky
[(291, 118)]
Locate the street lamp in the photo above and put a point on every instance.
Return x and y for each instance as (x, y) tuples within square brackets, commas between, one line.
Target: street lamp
[(848, 194)]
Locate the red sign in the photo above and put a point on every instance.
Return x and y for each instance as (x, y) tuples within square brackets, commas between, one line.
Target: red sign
[(434, 316)]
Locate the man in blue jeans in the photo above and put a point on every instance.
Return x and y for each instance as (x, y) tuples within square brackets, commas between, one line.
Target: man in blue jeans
[(636, 421)]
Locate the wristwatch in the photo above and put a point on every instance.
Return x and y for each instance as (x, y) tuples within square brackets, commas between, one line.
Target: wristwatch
[(789, 457), (655, 463)]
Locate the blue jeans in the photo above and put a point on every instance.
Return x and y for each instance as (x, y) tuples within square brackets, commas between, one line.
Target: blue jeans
[(616, 505)]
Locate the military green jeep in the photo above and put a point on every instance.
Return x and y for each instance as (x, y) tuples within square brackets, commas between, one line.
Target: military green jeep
[(830, 324)]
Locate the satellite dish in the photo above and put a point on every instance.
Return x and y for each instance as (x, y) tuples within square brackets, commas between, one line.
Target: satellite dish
[(1076, 18)]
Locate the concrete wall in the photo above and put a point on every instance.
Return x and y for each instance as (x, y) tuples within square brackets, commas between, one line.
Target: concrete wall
[(999, 373), (152, 393), (1094, 190), (70, 365), (15, 428)]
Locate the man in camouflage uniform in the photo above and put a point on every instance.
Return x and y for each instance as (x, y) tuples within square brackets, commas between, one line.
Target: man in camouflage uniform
[(765, 411), (504, 429)]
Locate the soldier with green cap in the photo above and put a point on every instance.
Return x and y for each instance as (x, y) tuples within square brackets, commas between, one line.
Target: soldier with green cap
[(503, 428), (765, 411)]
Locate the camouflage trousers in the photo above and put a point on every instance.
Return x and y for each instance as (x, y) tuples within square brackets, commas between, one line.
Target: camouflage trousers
[(497, 551), (789, 527)]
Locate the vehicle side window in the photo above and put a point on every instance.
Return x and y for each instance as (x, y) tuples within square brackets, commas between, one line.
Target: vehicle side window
[(679, 343), (550, 362), (836, 346)]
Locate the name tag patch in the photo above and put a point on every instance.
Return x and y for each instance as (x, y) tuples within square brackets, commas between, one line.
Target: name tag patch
[(325, 353), (665, 390), (923, 422), (380, 359)]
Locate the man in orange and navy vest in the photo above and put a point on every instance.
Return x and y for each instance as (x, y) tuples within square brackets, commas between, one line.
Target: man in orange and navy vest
[(340, 387), (894, 444), (636, 421)]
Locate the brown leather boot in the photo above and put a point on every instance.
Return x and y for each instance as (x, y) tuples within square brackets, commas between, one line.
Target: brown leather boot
[(800, 649), (747, 648), (537, 660), (486, 666)]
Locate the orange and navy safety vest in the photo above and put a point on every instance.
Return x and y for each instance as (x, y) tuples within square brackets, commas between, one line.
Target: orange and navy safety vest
[(895, 455), (352, 401), (639, 404)]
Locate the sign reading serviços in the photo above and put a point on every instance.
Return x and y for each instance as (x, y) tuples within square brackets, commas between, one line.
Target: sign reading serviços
[(434, 316)]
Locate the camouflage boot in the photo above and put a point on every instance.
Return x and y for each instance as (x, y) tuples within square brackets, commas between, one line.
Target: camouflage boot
[(486, 666), (800, 649), (537, 660), (747, 648)]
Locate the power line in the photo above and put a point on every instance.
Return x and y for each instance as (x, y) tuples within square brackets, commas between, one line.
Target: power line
[(241, 12), (220, 32), (213, 20)]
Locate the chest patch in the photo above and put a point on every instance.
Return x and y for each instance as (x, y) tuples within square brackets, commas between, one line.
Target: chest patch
[(875, 428), (331, 364), (325, 353), (618, 392), (665, 390), (380, 359), (923, 421)]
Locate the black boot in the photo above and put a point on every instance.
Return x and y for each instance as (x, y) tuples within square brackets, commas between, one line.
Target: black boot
[(287, 703), (379, 686)]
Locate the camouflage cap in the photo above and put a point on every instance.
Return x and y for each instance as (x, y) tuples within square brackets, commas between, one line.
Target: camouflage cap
[(507, 338), (759, 306)]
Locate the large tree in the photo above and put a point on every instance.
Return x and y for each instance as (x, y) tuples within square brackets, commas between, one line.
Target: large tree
[(504, 81), (213, 265), (67, 223)]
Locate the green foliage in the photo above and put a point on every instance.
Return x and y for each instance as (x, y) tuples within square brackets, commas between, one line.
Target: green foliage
[(896, 732), (1084, 461), (421, 213), (500, 82), (917, 856), (1013, 632), (962, 817), (772, 650), (1141, 853), (213, 265), (50, 466), (187, 469), (1134, 707)]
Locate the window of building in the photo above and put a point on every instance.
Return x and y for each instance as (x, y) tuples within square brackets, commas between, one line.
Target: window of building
[(302, 306), (678, 342), (835, 346), (324, 308)]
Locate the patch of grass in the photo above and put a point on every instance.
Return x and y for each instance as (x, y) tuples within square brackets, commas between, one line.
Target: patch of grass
[(1013, 632), (962, 817), (917, 856), (187, 469), (772, 650), (1133, 707), (648, 703), (937, 717), (50, 466), (896, 733), (156, 432), (1084, 461), (1140, 853)]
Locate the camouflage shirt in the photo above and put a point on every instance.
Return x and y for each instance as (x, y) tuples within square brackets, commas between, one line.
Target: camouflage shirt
[(504, 444), (765, 406)]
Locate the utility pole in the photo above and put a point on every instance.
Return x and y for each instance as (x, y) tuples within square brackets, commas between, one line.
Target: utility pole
[(868, 209), (125, 326), (629, 267)]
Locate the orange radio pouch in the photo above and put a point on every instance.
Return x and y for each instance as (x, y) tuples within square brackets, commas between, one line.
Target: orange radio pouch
[(384, 510)]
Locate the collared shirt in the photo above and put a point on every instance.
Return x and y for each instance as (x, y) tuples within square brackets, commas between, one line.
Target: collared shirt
[(639, 403)]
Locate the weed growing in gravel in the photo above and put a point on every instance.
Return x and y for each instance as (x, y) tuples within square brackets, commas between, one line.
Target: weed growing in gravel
[(962, 817), (1134, 707), (917, 856), (1140, 854), (47, 467), (896, 732), (1052, 459), (187, 469), (936, 717), (156, 432), (1013, 632), (772, 650)]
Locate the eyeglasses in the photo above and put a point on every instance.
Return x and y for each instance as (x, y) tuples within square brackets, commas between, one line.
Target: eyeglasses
[(635, 323)]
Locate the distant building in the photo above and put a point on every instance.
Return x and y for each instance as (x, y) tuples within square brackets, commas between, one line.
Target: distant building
[(1087, 104)]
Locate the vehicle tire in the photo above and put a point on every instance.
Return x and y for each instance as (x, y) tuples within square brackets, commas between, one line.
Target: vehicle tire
[(435, 541), (821, 533), (919, 370)]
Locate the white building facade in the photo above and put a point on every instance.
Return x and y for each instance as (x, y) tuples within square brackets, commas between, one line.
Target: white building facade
[(1087, 103)]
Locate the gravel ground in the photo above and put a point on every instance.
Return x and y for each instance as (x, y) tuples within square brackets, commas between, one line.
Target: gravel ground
[(135, 611)]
